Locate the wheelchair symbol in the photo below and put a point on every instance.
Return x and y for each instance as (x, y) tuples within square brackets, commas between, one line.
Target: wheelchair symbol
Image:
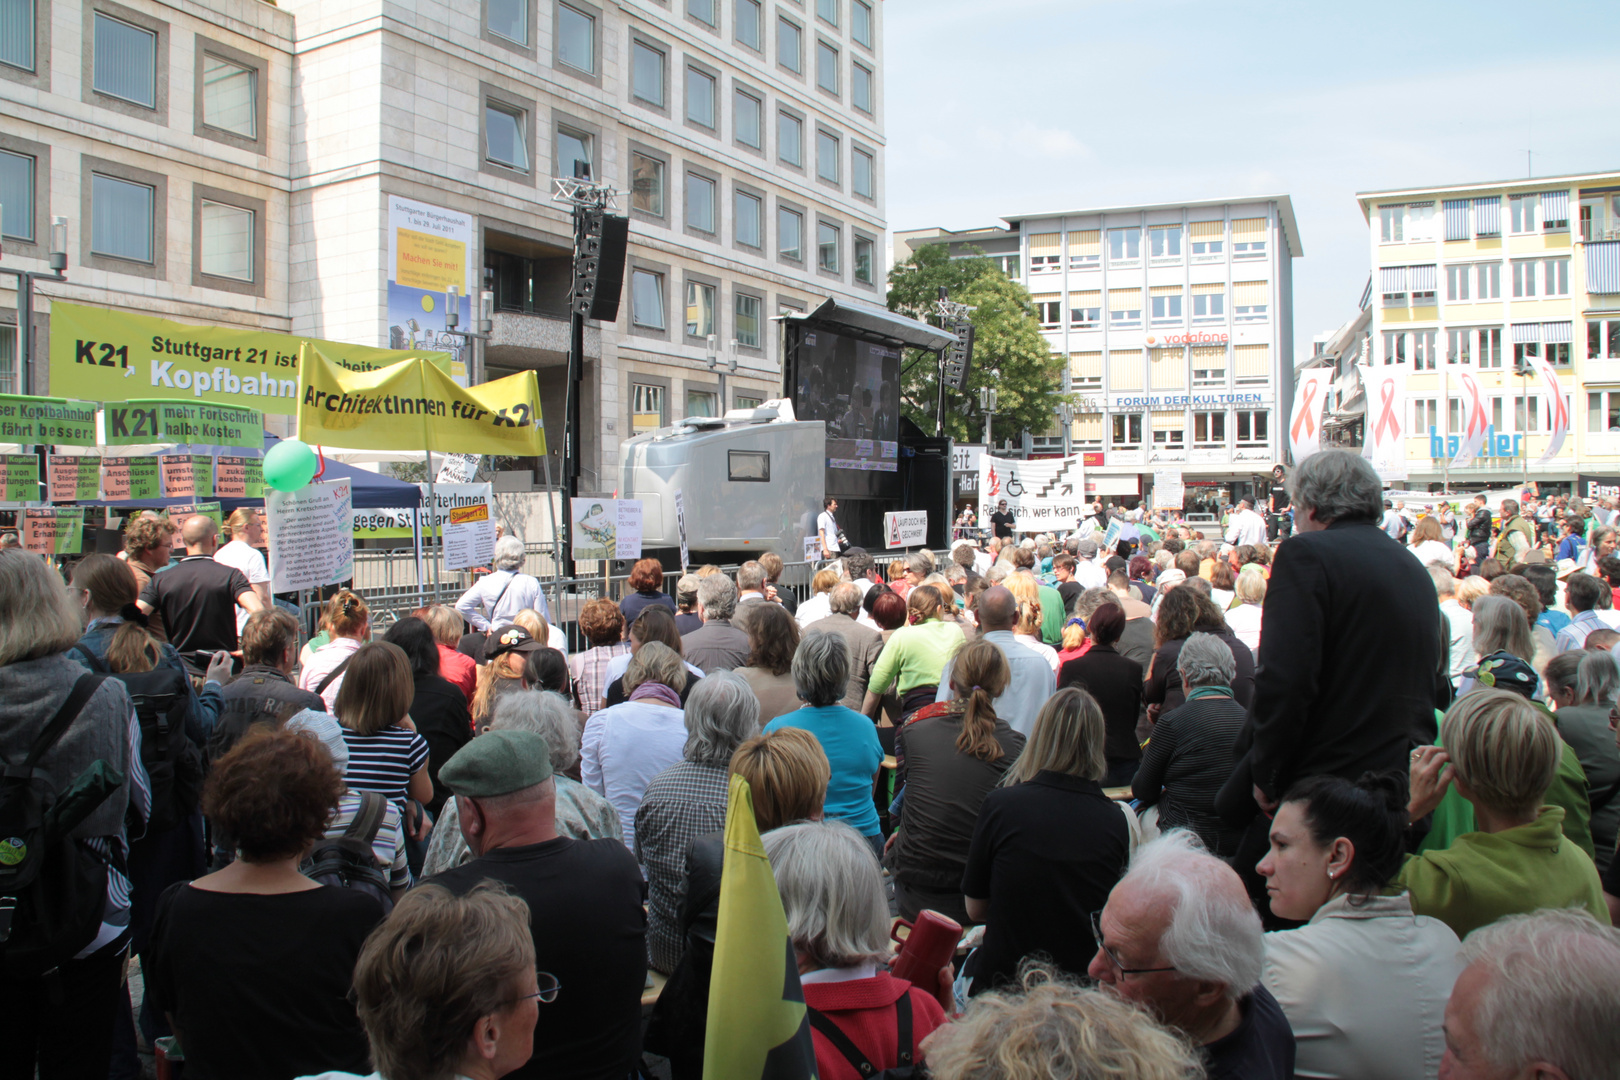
[(1014, 488)]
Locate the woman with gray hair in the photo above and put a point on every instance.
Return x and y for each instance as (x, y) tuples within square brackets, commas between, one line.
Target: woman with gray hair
[(624, 746), (1501, 636), (821, 676), (838, 923), (497, 598), (581, 812), (688, 800), (1582, 685), (1193, 748)]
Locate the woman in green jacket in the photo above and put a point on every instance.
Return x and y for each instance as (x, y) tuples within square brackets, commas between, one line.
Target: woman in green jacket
[(1502, 754), (914, 657)]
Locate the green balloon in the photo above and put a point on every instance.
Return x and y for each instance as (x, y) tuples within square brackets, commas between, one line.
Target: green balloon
[(289, 465)]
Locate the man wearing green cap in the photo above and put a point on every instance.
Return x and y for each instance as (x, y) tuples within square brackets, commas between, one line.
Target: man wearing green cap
[(585, 903)]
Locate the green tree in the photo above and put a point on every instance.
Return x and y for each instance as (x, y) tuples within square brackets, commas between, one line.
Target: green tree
[(1009, 351)]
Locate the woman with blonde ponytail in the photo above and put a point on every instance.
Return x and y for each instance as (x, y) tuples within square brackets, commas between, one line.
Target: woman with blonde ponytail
[(913, 659), (950, 755)]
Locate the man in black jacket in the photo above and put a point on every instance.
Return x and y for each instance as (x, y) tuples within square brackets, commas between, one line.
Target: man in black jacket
[(264, 692), (1349, 665), (1479, 529)]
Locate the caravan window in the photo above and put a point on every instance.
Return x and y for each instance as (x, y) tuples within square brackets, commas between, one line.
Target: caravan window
[(749, 465)]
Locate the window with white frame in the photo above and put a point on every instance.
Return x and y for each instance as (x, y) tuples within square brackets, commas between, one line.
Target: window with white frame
[(1458, 277), (121, 218), (1459, 346), (1603, 339), (1250, 300), (1425, 414), (504, 139), (1395, 347), (1525, 351), (1603, 411), (1423, 350), (1170, 430), (1253, 427), (1085, 310), (1555, 211), (1085, 249), (647, 299), (1420, 222), (702, 402), (1555, 277), (1208, 238), (1088, 430), (860, 22), (125, 64), (1086, 372), (1524, 213), (647, 74), (230, 97), (1165, 305), (1124, 244), (699, 309), (17, 195), (1488, 281), (1045, 253), (1527, 414), (1248, 238), (750, 216), (1422, 280), (1392, 224), (790, 139), (700, 203), (1164, 242), (227, 241), (700, 98), (1524, 278), (789, 234), (749, 23), (1049, 310), (790, 46), (863, 260), (1251, 364), (1488, 348), (1127, 433), (1209, 429), (1454, 415), (1209, 302), (648, 410), (576, 39), (1124, 308), (1208, 366)]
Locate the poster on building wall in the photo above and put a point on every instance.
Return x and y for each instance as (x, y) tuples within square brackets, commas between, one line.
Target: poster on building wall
[(1046, 493), (1385, 442), (429, 251)]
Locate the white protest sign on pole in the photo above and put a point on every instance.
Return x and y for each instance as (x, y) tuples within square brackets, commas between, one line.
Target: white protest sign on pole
[(907, 528), (680, 525), (311, 533), (1045, 494), (448, 497), (1168, 489), (605, 528), (469, 537), (812, 549), (457, 469)]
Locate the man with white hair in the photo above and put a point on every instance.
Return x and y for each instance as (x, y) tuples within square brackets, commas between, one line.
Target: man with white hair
[(1538, 999), (718, 645), (1247, 527), (495, 598), (1180, 938)]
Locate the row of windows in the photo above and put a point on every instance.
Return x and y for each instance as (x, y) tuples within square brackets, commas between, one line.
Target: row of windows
[(1528, 278), (1484, 345), (1168, 305), (1169, 430), (650, 290), (1464, 219), (1165, 243), (649, 405), (1529, 414), (1170, 368), (124, 216), (649, 85), (700, 195)]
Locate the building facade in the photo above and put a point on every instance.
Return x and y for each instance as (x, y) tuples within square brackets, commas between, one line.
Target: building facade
[(1177, 323), (1485, 277), (235, 162)]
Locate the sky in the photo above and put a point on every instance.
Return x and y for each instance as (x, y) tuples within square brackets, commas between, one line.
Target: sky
[(998, 108)]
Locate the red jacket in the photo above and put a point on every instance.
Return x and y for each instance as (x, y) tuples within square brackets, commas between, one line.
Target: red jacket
[(459, 668), (864, 1010)]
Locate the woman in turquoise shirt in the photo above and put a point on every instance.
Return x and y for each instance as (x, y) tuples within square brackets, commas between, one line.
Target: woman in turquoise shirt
[(914, 657), (821, 675)]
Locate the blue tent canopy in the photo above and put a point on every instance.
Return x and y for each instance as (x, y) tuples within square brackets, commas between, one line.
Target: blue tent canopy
[(372, 491)]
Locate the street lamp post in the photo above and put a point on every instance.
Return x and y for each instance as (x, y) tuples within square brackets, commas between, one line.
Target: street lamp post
[(987, 405), (713, 358), (25, 298)]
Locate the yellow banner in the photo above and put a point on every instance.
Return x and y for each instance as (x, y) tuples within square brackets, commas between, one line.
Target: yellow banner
[(103, 355), (417, 407)]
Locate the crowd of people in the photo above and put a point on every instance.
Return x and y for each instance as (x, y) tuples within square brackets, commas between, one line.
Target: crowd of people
[(1334, 799)]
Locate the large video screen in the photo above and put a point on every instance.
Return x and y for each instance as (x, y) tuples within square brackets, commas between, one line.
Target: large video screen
[(854, 387)]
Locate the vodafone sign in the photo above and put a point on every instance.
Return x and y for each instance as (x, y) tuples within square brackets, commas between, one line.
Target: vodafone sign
[(1198, 338)]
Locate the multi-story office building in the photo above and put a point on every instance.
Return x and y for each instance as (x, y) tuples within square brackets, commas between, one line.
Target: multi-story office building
[(1177, 322), (1490, 275), (235, 162)]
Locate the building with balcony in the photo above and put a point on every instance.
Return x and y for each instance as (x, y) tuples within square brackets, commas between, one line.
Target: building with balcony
[(1487, 276), (1177, 322), (238, 162)]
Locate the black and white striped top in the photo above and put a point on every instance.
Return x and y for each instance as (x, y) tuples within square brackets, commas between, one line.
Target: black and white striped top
[(384, 762)]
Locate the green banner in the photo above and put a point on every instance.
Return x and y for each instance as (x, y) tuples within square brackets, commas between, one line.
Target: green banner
[(125, 479), (73, 478), (25, 419), (239, 477), (55, 530), (19, 477), (129, 423)]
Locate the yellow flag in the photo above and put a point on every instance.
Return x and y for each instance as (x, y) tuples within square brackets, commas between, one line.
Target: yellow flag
[(415, 406), (757, 1026)]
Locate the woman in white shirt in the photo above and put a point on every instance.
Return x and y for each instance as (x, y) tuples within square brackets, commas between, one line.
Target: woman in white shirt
[(624, 746), (348, 620), (1429, 548), (1244, 617), (246, 532), (1364, 983)]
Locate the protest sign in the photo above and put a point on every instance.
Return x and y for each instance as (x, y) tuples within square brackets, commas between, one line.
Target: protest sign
[(19, 478), (416, 406), (1042, 495), (130, 478), (469, 538), (187, 476), (180, 511), (73, 478), (905, 529), (54, 530), (458, 469), (239, 477), (1169, 492), (311, 534), (605, 528), (680, 525), (130, 423), (812, 549), (25, 419), (102, 355)]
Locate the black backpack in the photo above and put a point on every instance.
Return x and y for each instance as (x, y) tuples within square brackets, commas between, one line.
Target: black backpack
[(904, 1069), (348, 861), (174, 764), (53, 889)]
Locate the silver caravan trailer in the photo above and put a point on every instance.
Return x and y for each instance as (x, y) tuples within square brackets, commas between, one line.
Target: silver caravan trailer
[(750, 482)]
